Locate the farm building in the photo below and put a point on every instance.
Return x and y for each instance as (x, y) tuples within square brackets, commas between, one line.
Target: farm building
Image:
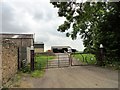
[(39, 47), (23, 42), (15, 50), (60, 49)]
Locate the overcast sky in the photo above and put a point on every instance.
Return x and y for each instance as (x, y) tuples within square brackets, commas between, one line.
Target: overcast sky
[(36, 16)]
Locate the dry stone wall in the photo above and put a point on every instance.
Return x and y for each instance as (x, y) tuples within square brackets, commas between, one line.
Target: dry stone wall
[(9, 61)]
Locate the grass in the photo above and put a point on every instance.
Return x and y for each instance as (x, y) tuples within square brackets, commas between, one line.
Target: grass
[(41, 61), (86, 58), (37, 73), (40, 65)]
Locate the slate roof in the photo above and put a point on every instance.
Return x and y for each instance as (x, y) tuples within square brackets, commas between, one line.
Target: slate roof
[(39, 45), (15, 36)]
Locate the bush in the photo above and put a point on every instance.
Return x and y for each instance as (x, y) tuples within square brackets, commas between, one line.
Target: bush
[(26, 69)]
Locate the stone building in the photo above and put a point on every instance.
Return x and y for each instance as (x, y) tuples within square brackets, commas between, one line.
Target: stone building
[(39, 47), (23, 42), (15, 48)]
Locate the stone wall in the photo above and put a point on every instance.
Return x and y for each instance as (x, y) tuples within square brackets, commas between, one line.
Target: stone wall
[(0, 66), (22, 42), (9, 60), (39, 50)]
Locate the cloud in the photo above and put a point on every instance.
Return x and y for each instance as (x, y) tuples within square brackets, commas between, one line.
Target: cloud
[(36, 16), (9, 24)]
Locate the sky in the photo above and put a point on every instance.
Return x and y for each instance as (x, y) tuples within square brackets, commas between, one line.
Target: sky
[(37, 17)]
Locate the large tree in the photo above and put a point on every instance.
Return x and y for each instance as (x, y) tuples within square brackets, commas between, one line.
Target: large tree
[(95, 22)]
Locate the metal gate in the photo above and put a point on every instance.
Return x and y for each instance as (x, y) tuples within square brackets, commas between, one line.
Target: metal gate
[(82, 59), (61, 60), (45, 62), (66, 60)]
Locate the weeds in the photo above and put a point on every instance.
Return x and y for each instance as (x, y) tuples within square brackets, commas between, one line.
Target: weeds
[(37, 73)]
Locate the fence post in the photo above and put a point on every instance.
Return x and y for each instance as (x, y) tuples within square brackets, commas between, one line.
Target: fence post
[(32, 58), (47, 61), (71, 59), (58, 61), (101, 58)]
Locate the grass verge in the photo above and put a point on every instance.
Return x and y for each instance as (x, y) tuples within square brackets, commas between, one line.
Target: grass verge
[(38, 73), (40, 64)]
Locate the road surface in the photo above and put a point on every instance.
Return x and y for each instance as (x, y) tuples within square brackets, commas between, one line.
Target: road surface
[(74, 77)]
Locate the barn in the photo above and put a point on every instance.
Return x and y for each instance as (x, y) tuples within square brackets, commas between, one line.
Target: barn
[(23, 42), (60, 49)]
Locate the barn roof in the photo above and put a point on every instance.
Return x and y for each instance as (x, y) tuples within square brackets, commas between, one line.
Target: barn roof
[(15, 36), (60, 47)]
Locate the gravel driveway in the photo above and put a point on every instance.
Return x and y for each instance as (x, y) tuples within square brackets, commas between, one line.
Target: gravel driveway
[(61, 60), (74, 77), (77, 77)]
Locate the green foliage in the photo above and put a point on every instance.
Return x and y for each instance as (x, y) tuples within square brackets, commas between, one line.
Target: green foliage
[(41, 61), (96, 23), (40, 64), (86, 58), (26, 69), (37, 73)]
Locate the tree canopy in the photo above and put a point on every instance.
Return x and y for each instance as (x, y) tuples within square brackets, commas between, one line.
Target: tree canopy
[(96, 23)]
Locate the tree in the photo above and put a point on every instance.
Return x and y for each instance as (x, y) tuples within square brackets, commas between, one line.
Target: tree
[(95, 22), (110, 30)]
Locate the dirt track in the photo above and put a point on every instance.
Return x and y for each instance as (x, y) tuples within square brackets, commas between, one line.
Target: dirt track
[(75, 77)]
